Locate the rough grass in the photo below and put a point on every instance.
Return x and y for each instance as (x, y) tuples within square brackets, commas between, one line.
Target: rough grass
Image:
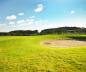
[(26, 54)]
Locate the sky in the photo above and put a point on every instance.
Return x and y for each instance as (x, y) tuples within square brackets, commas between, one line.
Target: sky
[(41, 14)]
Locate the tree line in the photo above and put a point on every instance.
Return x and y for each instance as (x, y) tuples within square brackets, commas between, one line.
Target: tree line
[(19, 33), (60, 30)]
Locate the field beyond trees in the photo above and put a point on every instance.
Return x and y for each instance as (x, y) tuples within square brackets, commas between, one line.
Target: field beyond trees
[(27, 54)]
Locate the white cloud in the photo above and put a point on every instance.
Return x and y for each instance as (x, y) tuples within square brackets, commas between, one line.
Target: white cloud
[(12, 22), (20, 21), (4, 28), (25, 22), (39, 8), (20, 14), (72, 12), (32, 17), (12, 17), (30, 21)]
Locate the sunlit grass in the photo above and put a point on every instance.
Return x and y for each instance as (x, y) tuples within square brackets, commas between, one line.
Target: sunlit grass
[(26, 54)]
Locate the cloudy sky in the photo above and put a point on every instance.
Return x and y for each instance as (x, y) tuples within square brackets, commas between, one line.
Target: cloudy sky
[(41, 14)]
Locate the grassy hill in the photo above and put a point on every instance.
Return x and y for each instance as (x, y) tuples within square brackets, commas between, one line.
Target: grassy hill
[(26, 54)]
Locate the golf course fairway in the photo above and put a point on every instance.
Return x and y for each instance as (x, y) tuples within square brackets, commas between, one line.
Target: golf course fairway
[(27, 54)]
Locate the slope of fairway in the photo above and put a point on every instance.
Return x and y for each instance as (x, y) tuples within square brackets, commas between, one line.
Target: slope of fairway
[(26, 54)]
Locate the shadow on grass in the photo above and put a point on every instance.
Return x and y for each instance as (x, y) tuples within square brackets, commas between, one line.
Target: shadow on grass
[(79, 38)]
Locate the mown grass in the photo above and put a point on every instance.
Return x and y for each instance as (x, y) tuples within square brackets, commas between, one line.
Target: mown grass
[(26, 54)]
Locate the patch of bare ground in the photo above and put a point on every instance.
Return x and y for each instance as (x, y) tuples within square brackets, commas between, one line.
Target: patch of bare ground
[(64, 43)]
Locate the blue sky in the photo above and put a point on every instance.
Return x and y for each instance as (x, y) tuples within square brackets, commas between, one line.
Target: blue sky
[(41, 14)]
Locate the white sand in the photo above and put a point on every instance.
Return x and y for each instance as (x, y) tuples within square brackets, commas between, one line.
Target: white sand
[(64, 43)]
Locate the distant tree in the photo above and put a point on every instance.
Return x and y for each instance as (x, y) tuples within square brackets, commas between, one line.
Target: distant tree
[(3, 33), (60, 30), (23, 33)]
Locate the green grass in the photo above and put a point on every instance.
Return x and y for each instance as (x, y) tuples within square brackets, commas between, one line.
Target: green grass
[(26, 54)]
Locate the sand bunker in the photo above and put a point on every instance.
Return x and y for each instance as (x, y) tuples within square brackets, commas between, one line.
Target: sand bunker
[(64, 43)]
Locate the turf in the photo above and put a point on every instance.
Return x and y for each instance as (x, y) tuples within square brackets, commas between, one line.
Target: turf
[(26, 54)]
